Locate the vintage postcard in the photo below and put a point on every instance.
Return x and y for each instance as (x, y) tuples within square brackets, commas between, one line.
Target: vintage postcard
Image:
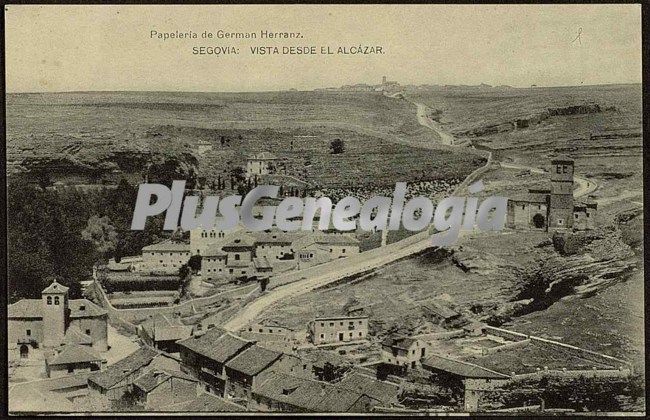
[(324, 209)]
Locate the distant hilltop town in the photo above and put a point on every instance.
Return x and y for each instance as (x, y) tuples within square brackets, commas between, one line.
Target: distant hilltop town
[(390, 86)]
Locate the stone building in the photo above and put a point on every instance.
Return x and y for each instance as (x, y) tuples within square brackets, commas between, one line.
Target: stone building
[(73, 359), (334, 330), (403, 351), (554, 208), (165, 257), (264, 163), (474, 379), (54, 320)]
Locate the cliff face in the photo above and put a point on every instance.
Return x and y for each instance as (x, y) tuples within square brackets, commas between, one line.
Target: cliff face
[(99, 160), (572, 266), (534, 119)]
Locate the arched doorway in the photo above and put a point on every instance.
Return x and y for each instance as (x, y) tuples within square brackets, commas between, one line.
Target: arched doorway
[(24, 351), (539, 221)]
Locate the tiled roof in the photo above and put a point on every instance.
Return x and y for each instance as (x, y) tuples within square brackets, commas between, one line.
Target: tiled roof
[(150, 380), (239, 240), (262, 263), (168, 246), (216, 345), (403, 343), (238, 263), (338, 400), (162, 328), (33, 308), (460, 368), (276, 237), (440, 309), (253, 360), (26, 308), (386, 392), (123, 368), (75, 336), (306, 394), (212, 404), (73, 353), (83, 308), (55, 287)]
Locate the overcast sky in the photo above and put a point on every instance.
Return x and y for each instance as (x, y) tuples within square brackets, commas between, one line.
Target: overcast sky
[(74, 48)]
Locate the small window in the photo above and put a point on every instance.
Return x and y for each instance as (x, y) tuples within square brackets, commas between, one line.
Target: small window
[(49, 300), (70, 369), (87, 332), (343, 250), (359, 333), (322, 336), (237, 256), (56, 300), (322, 324), (28, 332), (559, 169), (331, 324)]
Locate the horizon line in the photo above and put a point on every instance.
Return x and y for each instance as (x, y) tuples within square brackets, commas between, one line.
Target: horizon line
[(319, 88)]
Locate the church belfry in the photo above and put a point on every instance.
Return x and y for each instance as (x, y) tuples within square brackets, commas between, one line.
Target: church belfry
[(561, 200), (55, 314)]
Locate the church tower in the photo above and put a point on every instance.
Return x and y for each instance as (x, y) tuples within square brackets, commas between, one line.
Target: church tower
[(561, 202), (55, 314)]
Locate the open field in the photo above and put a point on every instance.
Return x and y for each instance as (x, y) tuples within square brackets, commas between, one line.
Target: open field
[(88, 137)]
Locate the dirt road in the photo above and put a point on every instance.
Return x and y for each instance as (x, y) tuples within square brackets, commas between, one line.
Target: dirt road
[(336, 270)]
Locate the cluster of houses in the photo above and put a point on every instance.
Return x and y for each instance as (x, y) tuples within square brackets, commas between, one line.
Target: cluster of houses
[(236, 254), (181, 368), (222, 372)]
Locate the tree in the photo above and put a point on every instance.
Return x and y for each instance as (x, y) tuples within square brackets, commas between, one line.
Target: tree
[(178, 235), (263, 283), (185, 275), (101, 233), (337, 146), (331, 372), (195, 262)]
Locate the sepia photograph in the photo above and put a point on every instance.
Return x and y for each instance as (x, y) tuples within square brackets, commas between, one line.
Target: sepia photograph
[(325, 209)]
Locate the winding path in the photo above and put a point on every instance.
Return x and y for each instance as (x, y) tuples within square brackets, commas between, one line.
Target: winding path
[(330, 272)]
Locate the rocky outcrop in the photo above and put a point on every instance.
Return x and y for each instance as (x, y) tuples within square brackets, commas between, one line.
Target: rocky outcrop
[(571, 266), (534, 119)]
